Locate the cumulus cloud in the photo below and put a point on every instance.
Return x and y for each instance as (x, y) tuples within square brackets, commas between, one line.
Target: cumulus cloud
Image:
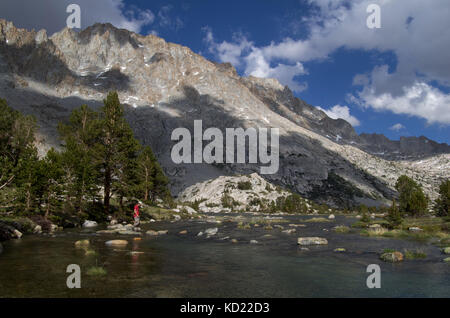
[(416, 31), (343, 112), (243, 53), (165, 20), (397, 127), (51, 14)]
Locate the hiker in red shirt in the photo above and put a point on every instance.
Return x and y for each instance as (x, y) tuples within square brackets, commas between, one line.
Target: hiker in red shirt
[(136, 215)]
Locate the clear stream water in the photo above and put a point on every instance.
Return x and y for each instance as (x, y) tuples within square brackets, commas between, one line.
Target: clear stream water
[(177, 265)]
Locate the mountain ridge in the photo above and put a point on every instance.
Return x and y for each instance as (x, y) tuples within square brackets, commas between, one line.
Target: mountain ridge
[(165, 86)]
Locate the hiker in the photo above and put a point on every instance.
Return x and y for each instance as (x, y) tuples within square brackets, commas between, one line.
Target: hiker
[(136, 215)]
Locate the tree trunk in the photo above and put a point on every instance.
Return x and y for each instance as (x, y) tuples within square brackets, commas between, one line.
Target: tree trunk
[(107, 191), (146, 185)]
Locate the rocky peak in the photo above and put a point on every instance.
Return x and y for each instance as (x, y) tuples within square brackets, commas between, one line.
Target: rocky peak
[(165, 86)]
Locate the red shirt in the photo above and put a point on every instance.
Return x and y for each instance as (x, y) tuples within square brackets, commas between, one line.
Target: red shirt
[(136, 211)]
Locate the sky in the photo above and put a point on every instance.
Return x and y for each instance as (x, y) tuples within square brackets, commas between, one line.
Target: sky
[(393, 80)]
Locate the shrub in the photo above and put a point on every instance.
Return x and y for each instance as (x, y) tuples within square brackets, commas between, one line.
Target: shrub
[(394, 216), (96, 271), (244, 185)]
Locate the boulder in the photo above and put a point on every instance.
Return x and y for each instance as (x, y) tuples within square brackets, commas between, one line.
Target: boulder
[(211, 231), (53, 228), (415, 229), (253, 242), (82, 243), (113, 222), (304, 241), (289, 231), (183, 232), (392, 257), (151, 232), (127, 232), (116, 227), (37, 229), (190, 210), (128, 227), (17, 234), (116, 243), (163, 232), (331, 217), (89, 224), (234, 241)]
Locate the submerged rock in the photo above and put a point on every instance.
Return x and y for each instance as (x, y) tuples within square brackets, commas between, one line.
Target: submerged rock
[(127, 232), (116, 243), (393, 257), (311, 241), (82, 243)]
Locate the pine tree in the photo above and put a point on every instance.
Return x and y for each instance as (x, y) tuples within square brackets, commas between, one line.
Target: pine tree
[(411, 197), (50, 175), (442, 204), (116, 149), (80, 136), (394, 216)]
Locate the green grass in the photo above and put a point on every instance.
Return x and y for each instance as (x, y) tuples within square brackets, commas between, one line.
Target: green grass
[(318, 220), (414, 254), (96, 271), (342, 229)]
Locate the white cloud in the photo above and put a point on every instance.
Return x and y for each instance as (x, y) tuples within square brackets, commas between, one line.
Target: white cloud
[(415, 31), (397, 127), (241, 52), (51, 14), (343, 112), (166, 21)]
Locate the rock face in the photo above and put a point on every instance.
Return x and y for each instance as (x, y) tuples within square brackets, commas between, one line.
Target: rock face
[(166, 86), (304, 241), (241, 191)]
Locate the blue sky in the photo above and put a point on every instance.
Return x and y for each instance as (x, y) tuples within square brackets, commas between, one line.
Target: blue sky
[(394, 80)]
